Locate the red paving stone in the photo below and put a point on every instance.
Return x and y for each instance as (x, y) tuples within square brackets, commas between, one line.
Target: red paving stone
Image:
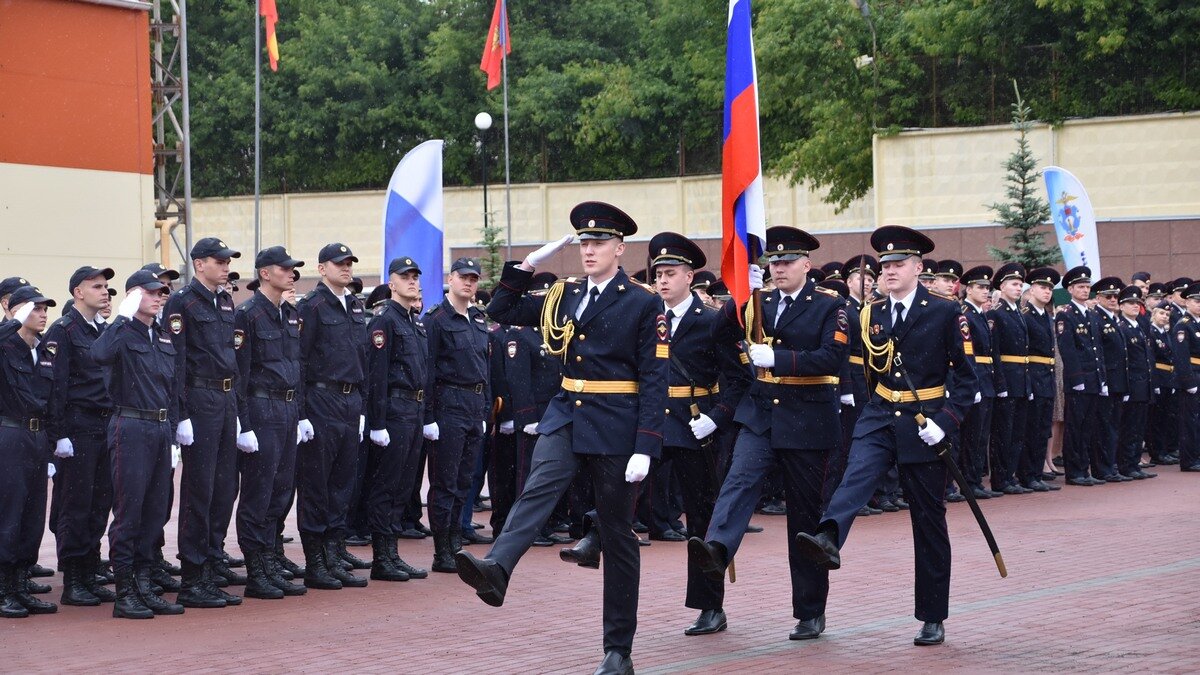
[(1100, 579)]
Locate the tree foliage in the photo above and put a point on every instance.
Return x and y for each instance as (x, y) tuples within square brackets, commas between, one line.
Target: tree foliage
[(607, 89)]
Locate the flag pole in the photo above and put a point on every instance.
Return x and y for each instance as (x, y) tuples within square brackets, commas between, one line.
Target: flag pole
[(507, 178), (257, 122)]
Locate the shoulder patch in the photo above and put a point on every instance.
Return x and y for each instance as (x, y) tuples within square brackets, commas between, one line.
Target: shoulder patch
[(378, 339), (239, 338), (512, 349), (1062, 326), (175, 323), (661, 350), (51, 348), (964, 328)]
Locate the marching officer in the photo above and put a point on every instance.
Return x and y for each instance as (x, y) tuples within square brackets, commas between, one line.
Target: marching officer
[(860, 273), (607, 420), (397, 374), (458, 405), (1042, 387), (1115, 391), (1012, 380), (333, 344), (142, 380), (1140, 351), (200, 320), (789, 417), (977, 425), (1083, 377), (1187, 378), (26, 381), (266, 338), (914, 341)]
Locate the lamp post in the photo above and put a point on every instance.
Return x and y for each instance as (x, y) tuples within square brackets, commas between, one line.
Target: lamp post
[(483, 122)]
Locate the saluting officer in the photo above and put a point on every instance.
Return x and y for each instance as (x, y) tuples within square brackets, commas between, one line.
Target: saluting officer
[(266, 338), (613, 339), (333, 344), (1012, 381), (26, 381), (1083, 377), (1187, 378), (397, 374), (1042, 387), (200, 320), (1115, 391), (1132, 436), (789, 417), (976, 428), (459, 403), (914, 341), (145, 389)]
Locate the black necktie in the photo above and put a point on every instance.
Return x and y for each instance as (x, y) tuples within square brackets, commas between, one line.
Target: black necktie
[(787, 302), (670, 322), (593, 295), (899, 322)]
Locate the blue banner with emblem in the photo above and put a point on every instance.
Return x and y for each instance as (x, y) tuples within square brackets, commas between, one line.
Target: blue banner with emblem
[(1074, 220), (413, 217)]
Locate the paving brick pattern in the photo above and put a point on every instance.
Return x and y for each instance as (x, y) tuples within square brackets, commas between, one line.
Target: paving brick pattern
[(1101, 579)]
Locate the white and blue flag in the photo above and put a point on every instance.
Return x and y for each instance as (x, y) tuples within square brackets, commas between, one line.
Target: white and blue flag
[(413, 217), (1074, 220)]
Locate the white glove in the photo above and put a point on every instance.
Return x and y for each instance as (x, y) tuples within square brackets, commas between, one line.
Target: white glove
[(847, 399), (304, 431), (762, 356), (184, 434), (176, 455), (1003, 394), (239, 425), (978, 396), (484, 427), (1191, 390), (1125, 398), (1031, 396), (381, 437), (63, 448), (362, 424), (756, 277), (505, 428), (931, 433), (530, 429), (1104, 390), (247, 442), (51, 470), (1157, 391), (430, 431), (1079, 387), (638, 467), (702, 426), (129, 306), (547, 252), (23, 312)]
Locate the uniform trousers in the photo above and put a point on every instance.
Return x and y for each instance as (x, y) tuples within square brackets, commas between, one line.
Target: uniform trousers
[(326, 465), (141, 479), (268, 476), (82, 486), (1104, 451), (696, 470), (1132, 435), (453, 457), (1038, 420), (394, 468), (1080, 412), (209, 485), (974, 432), (1008, 438)]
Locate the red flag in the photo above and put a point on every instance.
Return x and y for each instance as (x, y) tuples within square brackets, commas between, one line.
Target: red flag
[(271, 17), (497, 46)]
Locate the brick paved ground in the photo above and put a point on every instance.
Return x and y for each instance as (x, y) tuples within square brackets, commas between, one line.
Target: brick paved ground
[(1101, 579)]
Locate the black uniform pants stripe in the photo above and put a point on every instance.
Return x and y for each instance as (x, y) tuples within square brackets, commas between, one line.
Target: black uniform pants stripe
[(394, 468), (1162, 428), (555, 465), (974, 433), (1008, 439), (925, 488), (696, 471), (803, 473), (268, 476), (1132, 434), (326, 465), (141, 479), (1104, 451), (1038, 420), (209, 484), (1080, 429), (83, 492)]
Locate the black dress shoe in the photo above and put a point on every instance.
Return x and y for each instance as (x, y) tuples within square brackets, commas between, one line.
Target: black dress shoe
[(1169, 460), (1037, 486), (820, 549), (931, 633), (980, 493), (1194, 467), (586, 553), (640, 527), (473, 537), (411, 533), (1013, 490), (615, 663), (864, 512), (357, 540), (36, 570), (708, 557), (808, 629), (643, 542), (899, 501), (669, 535), (709, 621), (994, 494), (542, 541), (753, 529), (1147, 474), (489, 580), (1115, 478), (773, 509), (1132, 475), (1081, 482), (953, 498), (1052, 488), (1096, 481), (287, 539)]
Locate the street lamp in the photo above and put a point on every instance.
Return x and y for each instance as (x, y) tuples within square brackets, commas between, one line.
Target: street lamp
[(483, 122)]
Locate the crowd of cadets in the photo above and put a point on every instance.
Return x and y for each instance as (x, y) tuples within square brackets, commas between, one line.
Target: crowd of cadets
[(342, 402)]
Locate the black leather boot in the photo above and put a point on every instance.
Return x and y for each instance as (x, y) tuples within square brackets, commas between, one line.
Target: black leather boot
[(32, 586), (455, 539), (195, 592), (128, 604), (275, 575), (220, 568), (75, 592), (258, 584), (34, 605), (210, 579), (163, 579), (141, 579), (382, 566), (412, 572), (295, 571), (443, 556), (10, 607), (333, 549), (586, 553), (36, 570), (356, 563), (93, 581), (104, 569), (162, 562), (316, 574)]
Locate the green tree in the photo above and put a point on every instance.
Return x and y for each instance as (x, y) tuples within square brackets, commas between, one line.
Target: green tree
[(492, 261), (1025, 212)]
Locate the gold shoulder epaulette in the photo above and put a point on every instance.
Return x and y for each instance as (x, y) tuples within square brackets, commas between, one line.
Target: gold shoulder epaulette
[(646, 287), (943, 297), (827, 291)]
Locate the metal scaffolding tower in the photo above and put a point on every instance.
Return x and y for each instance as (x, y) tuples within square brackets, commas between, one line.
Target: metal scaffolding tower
[(172, 134)]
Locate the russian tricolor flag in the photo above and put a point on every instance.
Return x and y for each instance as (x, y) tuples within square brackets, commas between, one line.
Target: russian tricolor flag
[(743, 212), (413, 217)]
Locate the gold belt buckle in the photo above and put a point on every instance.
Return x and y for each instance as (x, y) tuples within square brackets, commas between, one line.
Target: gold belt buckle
[(578, 386), (162, 414), (227, 384), (35, 424)]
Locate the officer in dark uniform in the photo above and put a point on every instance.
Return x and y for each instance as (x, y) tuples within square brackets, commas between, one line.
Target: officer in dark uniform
[(1132, 436), (1116, 379), (7, 288), (26, 381), (607, 420), (1042, 387), (457, 407), (1186, 344), (1176, 302), (333, 352), (1083, 377), (397, 373), (700, 282), (1163, 424), (976, 427), (200, 319), (788, 415), (79, 410), (145, 390), (860, 273), (915, 340), (266, 338), (945, 282), (1012, 384)]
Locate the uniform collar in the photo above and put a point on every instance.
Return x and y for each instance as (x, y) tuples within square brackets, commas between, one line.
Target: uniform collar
[(682, 307), (907, 300)]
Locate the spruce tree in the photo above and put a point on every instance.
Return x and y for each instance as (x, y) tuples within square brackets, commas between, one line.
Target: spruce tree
[(492, 261)]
